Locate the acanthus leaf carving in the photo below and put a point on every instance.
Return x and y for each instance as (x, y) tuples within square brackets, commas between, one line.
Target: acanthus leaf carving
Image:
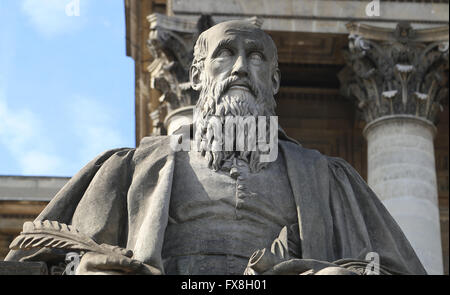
[(171, 42), (399, 74)]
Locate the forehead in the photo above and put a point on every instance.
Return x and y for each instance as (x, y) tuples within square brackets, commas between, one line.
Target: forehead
[(238, 33)]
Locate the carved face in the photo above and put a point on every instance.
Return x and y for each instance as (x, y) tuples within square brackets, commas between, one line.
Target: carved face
[(240, 58), (235, 69)]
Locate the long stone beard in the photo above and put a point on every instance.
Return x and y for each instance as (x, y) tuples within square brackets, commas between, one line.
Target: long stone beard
[(212, 104)]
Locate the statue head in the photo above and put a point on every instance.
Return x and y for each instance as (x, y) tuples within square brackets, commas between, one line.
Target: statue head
[(235, 69), (235, 63)]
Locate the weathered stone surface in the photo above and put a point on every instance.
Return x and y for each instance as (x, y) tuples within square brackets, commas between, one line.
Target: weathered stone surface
[(22, 268), (399, 79), (171, 43), (20, 188), (322, 16), (178, 118), (401, 171)]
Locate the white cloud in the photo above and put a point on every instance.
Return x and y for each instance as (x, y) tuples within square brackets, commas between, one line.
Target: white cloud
[(106, 23), (93, 124), (49, 17), (21, 135), (89, 125), (24, 135), (35, 162)]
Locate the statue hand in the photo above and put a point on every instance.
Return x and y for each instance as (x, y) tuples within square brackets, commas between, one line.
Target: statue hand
[(267, 263), (307, 267), (118, 262), (334, 270)]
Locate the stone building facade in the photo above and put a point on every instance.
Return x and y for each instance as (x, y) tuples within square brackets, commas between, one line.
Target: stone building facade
[(372, 89), (367, 82)]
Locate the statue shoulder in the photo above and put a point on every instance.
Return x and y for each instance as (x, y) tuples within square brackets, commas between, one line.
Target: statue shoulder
[(150, 141), (158, 146), (343, 167), (300, 153), (112, 153), (315, 160)]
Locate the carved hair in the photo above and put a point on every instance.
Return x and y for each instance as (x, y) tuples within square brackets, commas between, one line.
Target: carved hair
[(213, 104)]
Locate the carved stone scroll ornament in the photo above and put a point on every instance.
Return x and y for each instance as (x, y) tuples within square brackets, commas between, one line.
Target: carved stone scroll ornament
[(401, 71)]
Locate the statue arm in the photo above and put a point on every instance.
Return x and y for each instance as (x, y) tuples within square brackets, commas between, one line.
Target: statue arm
[(364, 231), (363, 236), (267, 262), (283, 258), (317, 267), (78, 204), (98, 202)]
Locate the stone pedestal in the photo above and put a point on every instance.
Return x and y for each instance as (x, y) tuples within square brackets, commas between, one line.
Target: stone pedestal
[(401, 171), (23, 268)]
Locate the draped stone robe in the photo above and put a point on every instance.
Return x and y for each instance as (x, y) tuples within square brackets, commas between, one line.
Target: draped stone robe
[(122, 198)]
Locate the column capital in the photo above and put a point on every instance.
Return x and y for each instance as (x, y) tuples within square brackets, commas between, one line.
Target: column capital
[(171, 43), (401, 71)]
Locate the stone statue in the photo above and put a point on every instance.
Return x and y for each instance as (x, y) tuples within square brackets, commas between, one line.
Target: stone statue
[(218, 211)]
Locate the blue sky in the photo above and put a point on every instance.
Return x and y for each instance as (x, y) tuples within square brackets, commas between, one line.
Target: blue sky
[(66, 85)]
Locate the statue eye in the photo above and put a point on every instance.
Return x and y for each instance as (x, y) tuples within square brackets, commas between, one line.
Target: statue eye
[(256, 57), (225, 53)]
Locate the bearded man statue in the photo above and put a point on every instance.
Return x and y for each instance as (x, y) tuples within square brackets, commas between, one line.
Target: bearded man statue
[(213, 209)]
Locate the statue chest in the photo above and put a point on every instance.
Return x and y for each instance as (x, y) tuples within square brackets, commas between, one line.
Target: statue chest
[(213, 213), (199, 192)]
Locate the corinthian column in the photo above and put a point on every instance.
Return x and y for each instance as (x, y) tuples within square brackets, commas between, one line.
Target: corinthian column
[(171, 43), (399, 78)]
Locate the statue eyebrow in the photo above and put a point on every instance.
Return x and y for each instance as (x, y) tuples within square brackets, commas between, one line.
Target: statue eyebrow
[(224, 43), (253, 45), (250, 45)]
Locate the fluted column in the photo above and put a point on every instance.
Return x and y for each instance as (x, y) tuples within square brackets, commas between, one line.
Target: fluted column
[(399, 78)]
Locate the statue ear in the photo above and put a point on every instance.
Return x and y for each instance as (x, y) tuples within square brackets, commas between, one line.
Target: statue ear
[(276, 77), (195, 78)]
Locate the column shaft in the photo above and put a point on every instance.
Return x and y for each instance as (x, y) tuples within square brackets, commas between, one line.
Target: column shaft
[(401, 171)]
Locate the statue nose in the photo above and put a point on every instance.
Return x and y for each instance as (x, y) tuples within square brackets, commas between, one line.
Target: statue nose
[(240, 67)]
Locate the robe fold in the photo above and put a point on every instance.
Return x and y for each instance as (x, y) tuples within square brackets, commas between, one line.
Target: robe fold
[(122, 198)]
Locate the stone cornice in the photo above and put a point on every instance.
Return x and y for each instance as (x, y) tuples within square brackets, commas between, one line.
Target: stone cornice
[(385, 34), (172, 23), (319, 16)]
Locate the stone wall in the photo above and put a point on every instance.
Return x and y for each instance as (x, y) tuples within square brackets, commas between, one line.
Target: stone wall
[(22, 198)]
